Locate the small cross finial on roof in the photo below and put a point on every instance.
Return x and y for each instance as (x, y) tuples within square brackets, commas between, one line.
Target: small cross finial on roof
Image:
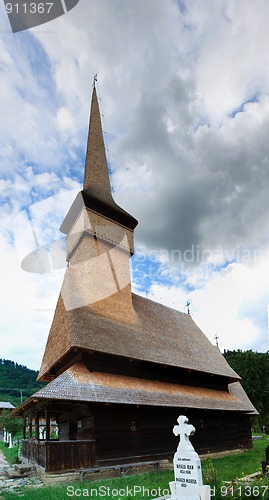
[(94, 81), (184, 430), (216, 339), (188, 306)]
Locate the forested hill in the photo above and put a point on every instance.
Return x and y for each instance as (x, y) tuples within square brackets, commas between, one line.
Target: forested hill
[(253, 368), (17, 381)]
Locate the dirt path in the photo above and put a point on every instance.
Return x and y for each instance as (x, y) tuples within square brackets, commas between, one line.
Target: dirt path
[(9, 482)]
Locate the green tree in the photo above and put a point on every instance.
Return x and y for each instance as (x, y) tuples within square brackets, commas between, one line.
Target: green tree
[(12, 425), (253, 368)]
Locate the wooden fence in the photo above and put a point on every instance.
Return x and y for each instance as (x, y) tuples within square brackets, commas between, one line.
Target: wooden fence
[(60, 456)]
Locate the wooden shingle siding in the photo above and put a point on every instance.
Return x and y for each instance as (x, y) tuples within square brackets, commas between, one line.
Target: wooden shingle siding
[(160, 335), (79, 384)]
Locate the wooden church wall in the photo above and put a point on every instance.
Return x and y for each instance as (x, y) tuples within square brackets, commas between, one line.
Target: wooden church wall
[(116, 434), (128, 433), (145, 433)]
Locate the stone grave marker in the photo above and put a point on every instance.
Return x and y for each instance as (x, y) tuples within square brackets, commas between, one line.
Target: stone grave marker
[(188, 483)]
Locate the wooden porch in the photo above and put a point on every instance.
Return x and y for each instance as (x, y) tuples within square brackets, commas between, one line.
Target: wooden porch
[(60, 456)]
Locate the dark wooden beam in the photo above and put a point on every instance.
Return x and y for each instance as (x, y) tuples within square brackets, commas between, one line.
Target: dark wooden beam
[(37, 426), (30, 425), (47, 417), (24, 428)]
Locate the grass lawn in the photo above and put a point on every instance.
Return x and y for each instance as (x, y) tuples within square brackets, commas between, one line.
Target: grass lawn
[(235, 466), (11, 454), (156, 483)]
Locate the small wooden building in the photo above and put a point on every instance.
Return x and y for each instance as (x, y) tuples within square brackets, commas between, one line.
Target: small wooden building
[(122, 368), (5, 405)]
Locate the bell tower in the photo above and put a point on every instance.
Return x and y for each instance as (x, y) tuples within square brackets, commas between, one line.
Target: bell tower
[(100, 238)]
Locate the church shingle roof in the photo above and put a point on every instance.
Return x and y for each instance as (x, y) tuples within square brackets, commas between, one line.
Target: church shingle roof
[(77, 383), (160, 335)]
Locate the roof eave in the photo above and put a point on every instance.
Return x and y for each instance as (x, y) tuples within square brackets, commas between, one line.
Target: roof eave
[(111, 211)]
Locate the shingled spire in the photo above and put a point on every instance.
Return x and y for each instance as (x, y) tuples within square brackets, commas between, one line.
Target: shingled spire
[(96, 176), (96, 194)]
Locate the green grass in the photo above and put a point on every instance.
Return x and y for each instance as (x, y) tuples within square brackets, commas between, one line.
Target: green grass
[(11, 454), (241, 464), (156, 483)]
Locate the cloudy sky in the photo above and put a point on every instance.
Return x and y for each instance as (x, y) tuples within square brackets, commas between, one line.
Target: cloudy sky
[(184, 93)]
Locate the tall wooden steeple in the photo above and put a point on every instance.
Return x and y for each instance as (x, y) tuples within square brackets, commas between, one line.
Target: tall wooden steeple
[(99, 244)]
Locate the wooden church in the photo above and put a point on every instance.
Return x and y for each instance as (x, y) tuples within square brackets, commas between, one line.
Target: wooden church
[(121, 368)]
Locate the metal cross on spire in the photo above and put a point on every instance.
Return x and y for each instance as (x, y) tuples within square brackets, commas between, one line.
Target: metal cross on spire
[(188, 306), (216, 339), (94, 81)]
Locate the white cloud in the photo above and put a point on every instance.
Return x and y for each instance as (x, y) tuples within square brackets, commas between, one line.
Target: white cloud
[(65, 121), (28, 299), (231, 53), (27, 306), (232, 304)]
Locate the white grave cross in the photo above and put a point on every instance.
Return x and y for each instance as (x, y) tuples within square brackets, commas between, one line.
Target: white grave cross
[(184, 430), (188, 483)]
